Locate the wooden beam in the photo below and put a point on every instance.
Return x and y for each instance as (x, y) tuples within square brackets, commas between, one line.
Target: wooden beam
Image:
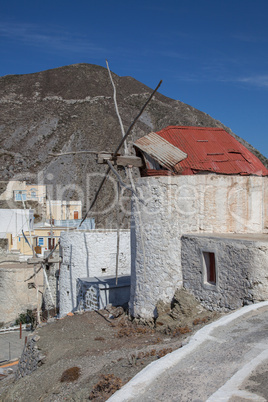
[(129, 160), (103, 157), (120, 160), (35, 261)]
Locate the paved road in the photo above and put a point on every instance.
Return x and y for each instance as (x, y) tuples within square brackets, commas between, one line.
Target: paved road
[(224, 361)]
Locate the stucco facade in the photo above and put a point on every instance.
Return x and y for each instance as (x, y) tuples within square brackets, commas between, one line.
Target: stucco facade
[(17, 295), (63, 210), (19, 190), (89, 254), (175, 205)]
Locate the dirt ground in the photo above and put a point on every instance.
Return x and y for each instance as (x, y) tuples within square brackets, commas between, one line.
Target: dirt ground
[(91, 355)]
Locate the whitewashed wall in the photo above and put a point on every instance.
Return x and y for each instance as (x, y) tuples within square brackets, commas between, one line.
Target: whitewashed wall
[(186, 204), (89, 254), (14, 221)]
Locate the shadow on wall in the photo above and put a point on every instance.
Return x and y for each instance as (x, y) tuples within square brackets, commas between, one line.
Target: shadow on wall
[(96, 293), (71, 278), (87, 252)]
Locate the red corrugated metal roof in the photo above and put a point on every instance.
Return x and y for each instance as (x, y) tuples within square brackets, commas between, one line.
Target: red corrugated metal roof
[(212, 149)]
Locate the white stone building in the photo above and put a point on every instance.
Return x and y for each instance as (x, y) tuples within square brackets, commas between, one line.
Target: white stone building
[(215, 186), (13, 222), (89, 254)]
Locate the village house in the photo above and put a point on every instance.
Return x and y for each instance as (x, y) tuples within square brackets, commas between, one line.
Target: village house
[(62, 210), (13, 223), (204, 223), (21, 191), (23, 238)]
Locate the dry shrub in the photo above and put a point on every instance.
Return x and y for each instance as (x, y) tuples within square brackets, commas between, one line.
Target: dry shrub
[(99, 338), (126, 331), (130, 331), (200, 321), (181, 330), (70, 375), (134, 358), (107, 386), (163, 352)]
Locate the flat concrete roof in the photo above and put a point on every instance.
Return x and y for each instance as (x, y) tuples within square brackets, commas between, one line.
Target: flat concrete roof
[(6, 265), (123, 280), (252, 237)]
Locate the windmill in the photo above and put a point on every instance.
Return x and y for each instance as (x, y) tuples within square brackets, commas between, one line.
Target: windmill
[(127, 161), (112, 160)]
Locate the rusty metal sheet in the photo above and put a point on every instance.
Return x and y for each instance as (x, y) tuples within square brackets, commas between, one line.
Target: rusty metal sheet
[(161, 150), (211, 149)]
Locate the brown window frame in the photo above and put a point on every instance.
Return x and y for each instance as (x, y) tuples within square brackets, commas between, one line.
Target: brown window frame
[(210, 269)]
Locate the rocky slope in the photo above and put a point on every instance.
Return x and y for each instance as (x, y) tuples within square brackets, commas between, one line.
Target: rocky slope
[(71, 109)]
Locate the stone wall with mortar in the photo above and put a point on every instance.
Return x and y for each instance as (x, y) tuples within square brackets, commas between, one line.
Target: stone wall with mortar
[(98, 293), (17, 293), (87, 296), (176, 205), (89, 254), (241, 269)]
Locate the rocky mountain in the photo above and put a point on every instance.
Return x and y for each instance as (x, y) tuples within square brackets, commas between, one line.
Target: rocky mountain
[(72, 109)]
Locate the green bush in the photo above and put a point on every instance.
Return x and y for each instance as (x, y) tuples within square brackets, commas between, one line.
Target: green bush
[(26, 318)]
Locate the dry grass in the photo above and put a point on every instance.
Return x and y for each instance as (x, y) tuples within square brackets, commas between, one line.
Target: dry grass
[(200, 321), (181, 330), (133, 331), (163, 352), (107, 386)]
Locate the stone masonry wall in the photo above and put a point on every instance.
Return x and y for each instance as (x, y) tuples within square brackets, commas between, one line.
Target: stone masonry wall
[(31, 358), (89, 254), (88, 296), (241, 266), (186, 204)]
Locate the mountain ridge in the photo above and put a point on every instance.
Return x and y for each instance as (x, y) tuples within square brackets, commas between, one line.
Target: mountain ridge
[(71, 108)]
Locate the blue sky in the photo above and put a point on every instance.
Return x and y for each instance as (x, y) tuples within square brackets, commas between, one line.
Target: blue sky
[(212, 55)]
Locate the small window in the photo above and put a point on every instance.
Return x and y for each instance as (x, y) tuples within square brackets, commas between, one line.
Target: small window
[(209, 268), (40, 241), (20, 195), (103, 270)]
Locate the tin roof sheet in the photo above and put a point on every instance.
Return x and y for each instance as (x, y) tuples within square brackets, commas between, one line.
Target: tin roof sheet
[(163, 151), (209, 149)]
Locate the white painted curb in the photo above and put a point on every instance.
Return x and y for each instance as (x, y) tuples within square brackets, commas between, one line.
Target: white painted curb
[(138, 384)]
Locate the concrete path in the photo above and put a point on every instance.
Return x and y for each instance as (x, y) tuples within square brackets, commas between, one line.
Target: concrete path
[(226, 360), (11, 346)]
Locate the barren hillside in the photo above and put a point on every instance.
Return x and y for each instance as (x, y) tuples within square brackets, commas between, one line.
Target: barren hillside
[(71, 109)]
